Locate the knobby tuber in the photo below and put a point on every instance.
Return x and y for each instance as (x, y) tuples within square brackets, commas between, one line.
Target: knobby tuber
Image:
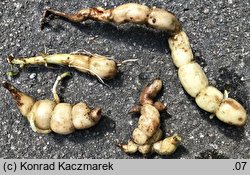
[(131, 12), (45, 116), (195, 82), (94, 64), (191, 75), (146, 138)]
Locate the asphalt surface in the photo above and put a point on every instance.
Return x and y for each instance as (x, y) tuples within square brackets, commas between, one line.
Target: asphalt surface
[(219, 33)]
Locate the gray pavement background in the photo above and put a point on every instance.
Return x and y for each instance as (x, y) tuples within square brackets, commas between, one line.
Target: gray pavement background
[(219, 32)]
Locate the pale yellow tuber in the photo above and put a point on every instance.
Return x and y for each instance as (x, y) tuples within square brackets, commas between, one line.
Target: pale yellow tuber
[(191, 75), (146, 138), (97, 65), (181, 52), (209, 99), (45, 116), (231, 112)]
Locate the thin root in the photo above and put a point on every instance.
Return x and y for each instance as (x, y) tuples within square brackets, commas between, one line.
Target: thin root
[(81, 52), (31, 119), (71, 17), (126, 61), (54, 91)]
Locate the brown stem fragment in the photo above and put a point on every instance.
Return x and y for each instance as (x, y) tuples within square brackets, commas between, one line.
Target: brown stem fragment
[(150, 92)]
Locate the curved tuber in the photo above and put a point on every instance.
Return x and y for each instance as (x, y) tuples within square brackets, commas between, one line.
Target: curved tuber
[(131, 12), (45, 116), (146, 138), (191, 75)]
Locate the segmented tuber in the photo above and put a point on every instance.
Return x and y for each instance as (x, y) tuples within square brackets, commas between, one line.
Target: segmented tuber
[(45, 116), (191, 75)]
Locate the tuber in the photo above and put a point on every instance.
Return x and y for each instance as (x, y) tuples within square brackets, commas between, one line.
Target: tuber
[(131, 12), (45, 116), (166, 146), (97, 65), (191, 75), (146, 138)]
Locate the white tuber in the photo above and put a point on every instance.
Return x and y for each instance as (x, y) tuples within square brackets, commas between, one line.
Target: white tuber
[(45, 116), (149, 120), (163, 147), (231, 112), (167, 146), (209, 99)]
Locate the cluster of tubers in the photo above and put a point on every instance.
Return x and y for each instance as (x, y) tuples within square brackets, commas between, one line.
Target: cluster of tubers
[(146, 138), (46, 115), (63, 118), (191, 75)]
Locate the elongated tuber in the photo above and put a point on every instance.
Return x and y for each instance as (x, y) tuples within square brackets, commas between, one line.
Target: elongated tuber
[(45, 116), (131, 12), (146, 138), (195, 82), (94, 64), (191, 75)]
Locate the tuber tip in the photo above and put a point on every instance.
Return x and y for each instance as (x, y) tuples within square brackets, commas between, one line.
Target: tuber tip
[(96, 114)]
